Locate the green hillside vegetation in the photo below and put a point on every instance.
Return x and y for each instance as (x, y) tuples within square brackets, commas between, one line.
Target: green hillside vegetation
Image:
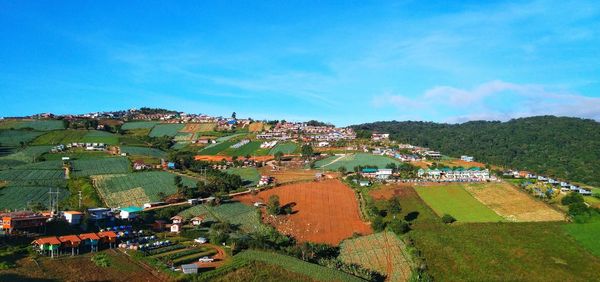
[(18, 197), (353, 160), (139, 125), (249, 175), (586, 234), (15, 137), (285, 148), (76, 136), (561, 147), (143, 151), (41, 125), (28, 155)]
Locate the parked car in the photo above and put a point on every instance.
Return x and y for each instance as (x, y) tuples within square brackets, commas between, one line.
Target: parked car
[(206, 259), (200, 240)]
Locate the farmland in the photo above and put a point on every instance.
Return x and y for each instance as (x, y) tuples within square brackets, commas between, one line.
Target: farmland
[(27, 155), (313, 271), (14, 137), (60, 137), (87, 167), (139, 125), (199, 127), (143, 151), (288, 175), (243, 216), (260, 271), (251, 148), (382, 252), (17, 197), (217, 148), (166, 129), (285, 148), (250, 175), (586, 234), (325, 212), (95, 136), (33, 177), (40, 125), (453, 199), (511, 203), (136, 188), (352, 160)]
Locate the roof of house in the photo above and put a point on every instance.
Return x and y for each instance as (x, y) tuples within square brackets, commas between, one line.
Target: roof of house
[(200, 217), (47, 240), (69, 238), (90, 236), (109, 234), (132, 209), (369, 170), (73, 212), (177, 217)]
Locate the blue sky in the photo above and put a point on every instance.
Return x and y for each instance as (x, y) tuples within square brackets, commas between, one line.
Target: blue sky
[(343, 62)]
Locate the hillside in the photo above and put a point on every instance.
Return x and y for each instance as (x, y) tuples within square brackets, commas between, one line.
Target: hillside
[(558, 146)]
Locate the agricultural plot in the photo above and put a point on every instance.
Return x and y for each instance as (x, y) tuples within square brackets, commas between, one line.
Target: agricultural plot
[(245, 217), (216, 148), (199, 127), (183, 136), (119, 190), (33, 177), (324, 212), (586, 234), (249, 175), (15, 137), (143, 151), (285, 148), (96, 136), (453, 199), (511, 203), (27, 155), (314, 271), (60, 137), (382, 252), (77, 155), (352, 160), (166, 129), (286, 175), (18, 197), (139, 125), (41, 125), (9, 123), (244, 150), (89, 167)]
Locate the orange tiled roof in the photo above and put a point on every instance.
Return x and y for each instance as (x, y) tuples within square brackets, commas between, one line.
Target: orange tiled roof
[(69, 238), (109, 234), (91, 236), (47, 240)]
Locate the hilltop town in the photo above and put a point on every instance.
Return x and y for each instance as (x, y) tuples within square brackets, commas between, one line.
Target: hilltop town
[(173, 196)]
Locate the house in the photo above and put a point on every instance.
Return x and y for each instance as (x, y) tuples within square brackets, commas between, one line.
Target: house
[(71, 241), (369, 172), (383, 173), (191, 268), (435, 155), (139, 165), (364, 183), (171, 165), (585, 192), (22, 220), (323, 144), (48, 244), (130, 212), (175, 227), (467, 158), (99, 213), (380, 136), (90, 240), (197, 220), (73, 217), (108, 237), (177, 219)]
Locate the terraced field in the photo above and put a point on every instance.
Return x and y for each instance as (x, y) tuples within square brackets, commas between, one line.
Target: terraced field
[(285, 148), (166, 129), (14, 137), (40, 125), (119, 190), (235, 213), (143, 151), (96, 136), (139, 125), (382, 252), (87, 167), (18, 197), (60, 137), (24, 156)]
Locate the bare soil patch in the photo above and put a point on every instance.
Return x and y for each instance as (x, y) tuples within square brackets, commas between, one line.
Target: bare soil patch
[(323, 212)]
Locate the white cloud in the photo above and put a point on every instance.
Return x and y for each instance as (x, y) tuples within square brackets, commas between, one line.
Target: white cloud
[(494, 100)]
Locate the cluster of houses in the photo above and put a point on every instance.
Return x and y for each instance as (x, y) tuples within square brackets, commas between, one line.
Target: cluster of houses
[(474, 174), (178, 221), (73, 244), (565, 187), (310, 133), (380, 136), (377, 173)]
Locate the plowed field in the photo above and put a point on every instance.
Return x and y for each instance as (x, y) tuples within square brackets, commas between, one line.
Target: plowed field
[(323, 212)]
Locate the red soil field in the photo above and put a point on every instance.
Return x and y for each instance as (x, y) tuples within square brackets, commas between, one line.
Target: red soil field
[(395, 190), (323, 212)]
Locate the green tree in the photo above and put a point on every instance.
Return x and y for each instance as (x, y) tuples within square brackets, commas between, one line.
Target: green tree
[(448, 219), (307, 151), (273, 206), (399, 226), (342, 170), (394, 206), (378, 224)]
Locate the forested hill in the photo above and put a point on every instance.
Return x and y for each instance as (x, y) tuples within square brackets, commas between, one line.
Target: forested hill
[(562, 147)]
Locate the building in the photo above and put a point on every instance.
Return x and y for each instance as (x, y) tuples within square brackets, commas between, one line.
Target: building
[(467, 158), (49, 244), (196, 221), (73, 217), (473, 174), (22, 221), (70, 241), (380, 136), (99, 213), (191, 268), (130, 212), (383, 173)]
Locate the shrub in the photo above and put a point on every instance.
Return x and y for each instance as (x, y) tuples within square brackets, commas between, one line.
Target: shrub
[(399, 226), (572, 198), (101, 260), (378, 224), (448, 219)]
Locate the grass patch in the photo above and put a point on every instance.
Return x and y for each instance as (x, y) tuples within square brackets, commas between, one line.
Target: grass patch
[(586, 234), (453, 199), (249, 175)]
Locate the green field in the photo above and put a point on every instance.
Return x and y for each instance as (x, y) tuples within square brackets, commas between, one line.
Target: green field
[(352, 160), (216, 148), (27, 155), (139, 125), (241, 270), (285, 148), (87, 167), (314, 271), (77, 155), (245, 150), (243, 216), (60, 137), (41, 125), (17, 197), (136, 188), (586, 234), (166, 129), (453, 199), (14, 137), (33, 177), (249, 175), (143, 151), (96, 136)]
